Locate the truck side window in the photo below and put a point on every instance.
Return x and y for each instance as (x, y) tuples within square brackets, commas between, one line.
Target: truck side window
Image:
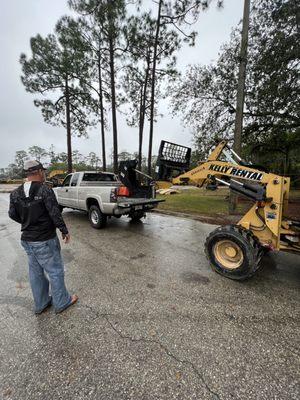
[(67, 180), (98, 177), (75, 179)]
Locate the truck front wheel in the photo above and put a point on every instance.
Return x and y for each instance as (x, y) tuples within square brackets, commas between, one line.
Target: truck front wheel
[(97, 218)]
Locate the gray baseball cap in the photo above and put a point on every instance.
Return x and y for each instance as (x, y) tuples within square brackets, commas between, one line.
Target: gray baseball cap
[(33, 165)]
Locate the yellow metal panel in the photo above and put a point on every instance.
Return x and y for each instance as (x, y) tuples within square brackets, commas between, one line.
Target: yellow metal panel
[(163, 184)]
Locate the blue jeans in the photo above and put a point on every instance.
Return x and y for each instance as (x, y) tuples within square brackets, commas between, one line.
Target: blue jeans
[(45, 257)]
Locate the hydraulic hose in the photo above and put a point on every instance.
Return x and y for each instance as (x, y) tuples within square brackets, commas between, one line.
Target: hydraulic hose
[(258, 228)]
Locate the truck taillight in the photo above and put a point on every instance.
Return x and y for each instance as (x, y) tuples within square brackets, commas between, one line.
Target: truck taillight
[(113, 195), (123, 191)]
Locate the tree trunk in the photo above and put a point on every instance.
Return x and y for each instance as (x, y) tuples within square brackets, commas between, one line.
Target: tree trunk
[(153, 87), (143, 114), (68, 121), (113, 103), (102, 124), (286, 162), (141, 128), (240, 95)]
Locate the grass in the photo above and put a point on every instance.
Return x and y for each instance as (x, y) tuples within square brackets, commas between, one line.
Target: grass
[(208, 203), (197, 201), (295, 194)]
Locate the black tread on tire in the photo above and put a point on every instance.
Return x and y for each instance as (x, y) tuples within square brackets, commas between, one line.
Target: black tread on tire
[(136, 216), (102, 218), (247, 242)]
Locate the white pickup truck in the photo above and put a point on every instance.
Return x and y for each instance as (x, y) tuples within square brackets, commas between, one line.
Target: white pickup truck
[(103, 195)]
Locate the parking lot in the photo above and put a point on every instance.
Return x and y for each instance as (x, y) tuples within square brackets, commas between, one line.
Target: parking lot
[(153, 321)]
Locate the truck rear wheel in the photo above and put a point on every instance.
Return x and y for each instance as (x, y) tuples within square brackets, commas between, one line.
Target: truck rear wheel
[(97, 218), (136, 216), (233, 252)]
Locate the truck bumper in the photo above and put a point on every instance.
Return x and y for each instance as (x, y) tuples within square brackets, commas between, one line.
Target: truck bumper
[(128, 206)]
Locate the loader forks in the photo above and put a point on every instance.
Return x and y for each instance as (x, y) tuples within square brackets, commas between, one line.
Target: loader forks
[(235, 251)]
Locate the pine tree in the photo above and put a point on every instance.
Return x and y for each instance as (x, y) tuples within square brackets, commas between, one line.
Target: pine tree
[(37, 152), (172, 17), (137, 79), (108, 16), (205, 96), (54, 66)]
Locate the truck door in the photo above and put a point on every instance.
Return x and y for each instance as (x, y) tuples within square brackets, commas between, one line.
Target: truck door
[(63, 191), (73, 191)]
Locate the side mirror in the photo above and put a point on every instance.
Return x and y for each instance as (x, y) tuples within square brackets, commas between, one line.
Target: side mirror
[(56, 184)]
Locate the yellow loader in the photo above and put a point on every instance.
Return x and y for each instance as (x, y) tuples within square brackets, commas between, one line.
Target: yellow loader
[(57, 176), (235, 251)]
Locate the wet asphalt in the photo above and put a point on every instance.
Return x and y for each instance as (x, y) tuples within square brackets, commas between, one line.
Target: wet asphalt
[(153, 321)]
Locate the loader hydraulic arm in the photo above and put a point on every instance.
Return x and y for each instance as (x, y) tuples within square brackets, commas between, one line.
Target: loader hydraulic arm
[(205, 170)]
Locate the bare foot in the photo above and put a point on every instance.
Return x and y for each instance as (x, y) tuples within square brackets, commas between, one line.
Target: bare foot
[(74, 299)]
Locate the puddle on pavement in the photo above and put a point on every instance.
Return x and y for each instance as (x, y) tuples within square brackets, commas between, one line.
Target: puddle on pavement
[(18, 273), (194, 277), (67, 256), (2, 227), (151, 285), (16, 301), (140, 255)]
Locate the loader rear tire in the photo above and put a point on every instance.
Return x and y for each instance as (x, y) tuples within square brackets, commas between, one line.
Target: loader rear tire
[(233, 252)]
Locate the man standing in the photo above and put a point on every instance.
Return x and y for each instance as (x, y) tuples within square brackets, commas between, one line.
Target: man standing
[(35, 207)]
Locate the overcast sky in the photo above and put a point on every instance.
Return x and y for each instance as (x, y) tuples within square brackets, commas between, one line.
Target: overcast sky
[(21, 123)]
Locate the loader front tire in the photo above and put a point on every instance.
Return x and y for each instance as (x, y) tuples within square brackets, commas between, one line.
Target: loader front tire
[(233, 252)]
